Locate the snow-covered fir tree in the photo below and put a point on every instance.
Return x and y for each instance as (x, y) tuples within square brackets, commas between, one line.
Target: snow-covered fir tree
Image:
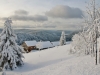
[(63, 39), (10, 53)]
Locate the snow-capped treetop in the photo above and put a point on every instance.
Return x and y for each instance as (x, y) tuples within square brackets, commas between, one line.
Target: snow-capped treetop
[(8, 29)]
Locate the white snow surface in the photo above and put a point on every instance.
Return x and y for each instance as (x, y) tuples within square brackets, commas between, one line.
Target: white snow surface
[(31, 43), (56, 61), (56, 43), (44, 44)]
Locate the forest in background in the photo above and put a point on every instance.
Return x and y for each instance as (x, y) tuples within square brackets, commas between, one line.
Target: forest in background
[(43, 35)]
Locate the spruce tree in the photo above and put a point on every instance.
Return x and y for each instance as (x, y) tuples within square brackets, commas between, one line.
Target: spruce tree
[(10, 52), (62, 39)]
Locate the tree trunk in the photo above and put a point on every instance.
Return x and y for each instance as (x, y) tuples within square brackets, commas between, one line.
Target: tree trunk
[(96, 43), (99, 56)]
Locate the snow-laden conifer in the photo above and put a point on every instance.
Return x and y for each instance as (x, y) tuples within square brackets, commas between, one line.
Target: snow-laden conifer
[(10, 52), (62, 39)]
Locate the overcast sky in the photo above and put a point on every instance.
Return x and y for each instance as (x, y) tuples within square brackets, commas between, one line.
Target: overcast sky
[(44, 14)]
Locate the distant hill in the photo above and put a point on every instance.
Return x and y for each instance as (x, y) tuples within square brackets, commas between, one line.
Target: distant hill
[(44, 35)]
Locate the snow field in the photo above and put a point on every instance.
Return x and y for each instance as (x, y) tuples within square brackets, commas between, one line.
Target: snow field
[(56, 61)]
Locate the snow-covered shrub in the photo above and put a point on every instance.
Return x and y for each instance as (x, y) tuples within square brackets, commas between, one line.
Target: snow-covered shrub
[(80, 44), (76, 43)]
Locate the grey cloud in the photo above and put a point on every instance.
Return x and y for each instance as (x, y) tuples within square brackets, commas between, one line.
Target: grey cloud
[(18, 17), (29, 18), (49, 26), (21, 12), (62, 11)]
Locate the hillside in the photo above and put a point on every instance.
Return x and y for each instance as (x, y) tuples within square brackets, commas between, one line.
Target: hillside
[(56, 61), (44, 35)]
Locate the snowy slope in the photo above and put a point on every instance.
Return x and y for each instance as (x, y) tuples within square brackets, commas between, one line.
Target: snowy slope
[(56, 61)]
